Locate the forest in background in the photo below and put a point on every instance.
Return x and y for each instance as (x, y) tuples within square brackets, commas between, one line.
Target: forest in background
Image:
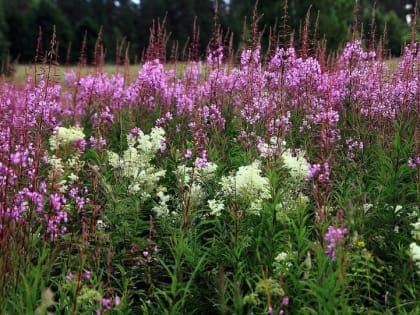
[(124, 21)]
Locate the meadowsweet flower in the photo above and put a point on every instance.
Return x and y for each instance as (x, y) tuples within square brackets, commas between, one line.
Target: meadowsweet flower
[(414, 251), (56, 164), (135, 162), (161, 209), (367, 207), (101, 225), (416, 231), (247, 186), (282, 262), (196, 194), (72, 178), (269, 149), (65, 136), (207, 172), (397, 208), (183, 174), (216, 207), (297, 164), (281, 257)]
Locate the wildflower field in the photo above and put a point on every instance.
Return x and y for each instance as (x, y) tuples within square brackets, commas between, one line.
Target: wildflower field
[(280, 185)]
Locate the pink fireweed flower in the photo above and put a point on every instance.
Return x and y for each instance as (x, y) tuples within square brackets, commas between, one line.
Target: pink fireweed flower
[(87, 274), (106, 304), (314, 169), (80, 145), (135, 132), (201, 162), (97, 143), (188, 154), (414, 163), (117, 300), (333, 237), (324, 177), (321, 172), (57, 201)]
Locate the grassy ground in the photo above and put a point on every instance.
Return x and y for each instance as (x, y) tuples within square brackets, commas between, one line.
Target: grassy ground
[(23, 70)]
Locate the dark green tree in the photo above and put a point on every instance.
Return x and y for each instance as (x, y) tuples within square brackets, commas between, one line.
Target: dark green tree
[(4, 43), (180, 17)]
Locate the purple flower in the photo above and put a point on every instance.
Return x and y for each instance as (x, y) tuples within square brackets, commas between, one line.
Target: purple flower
[(87, 274), (106, 304), (414, 163), (188, 154), (314, 169), (201, 162), (333, 237), (117, 300)]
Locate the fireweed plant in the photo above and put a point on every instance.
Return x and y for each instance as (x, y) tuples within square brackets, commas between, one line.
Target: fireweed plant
[(275, 187)]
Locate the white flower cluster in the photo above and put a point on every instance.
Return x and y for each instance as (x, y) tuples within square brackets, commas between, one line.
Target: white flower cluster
[(248, 187), (67, 145), (416, 231), (216, 207), (149, 144), (135, 162), (186, 174), (414, 248), (193, 180), (297, 165), (161, 209), (415, 255), (282, 262), (65, 136), (270, 149)]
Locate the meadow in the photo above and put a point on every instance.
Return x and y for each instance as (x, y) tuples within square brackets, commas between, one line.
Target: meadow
[(280, 185)]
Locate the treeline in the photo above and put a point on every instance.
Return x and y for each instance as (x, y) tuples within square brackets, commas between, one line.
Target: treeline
[(122, 22)]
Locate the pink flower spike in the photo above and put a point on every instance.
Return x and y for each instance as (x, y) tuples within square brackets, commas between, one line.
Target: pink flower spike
[(87, 274), (117, 300)]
